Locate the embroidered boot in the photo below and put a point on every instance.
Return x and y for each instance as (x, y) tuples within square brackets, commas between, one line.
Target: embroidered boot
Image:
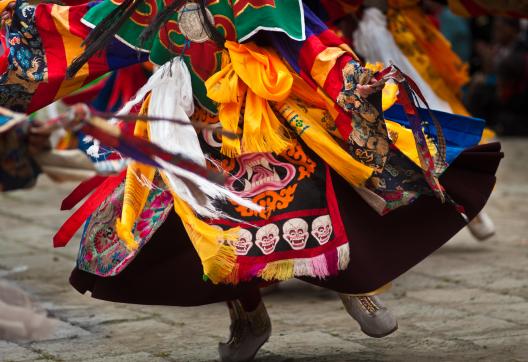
[(373, 317), (481, 227), (249, 331)]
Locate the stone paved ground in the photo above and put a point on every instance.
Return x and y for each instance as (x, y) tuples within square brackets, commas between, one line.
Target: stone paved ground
[(467, 302)]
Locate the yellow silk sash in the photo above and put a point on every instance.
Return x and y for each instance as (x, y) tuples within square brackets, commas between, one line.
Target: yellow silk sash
[(136, 192), (254, 75)]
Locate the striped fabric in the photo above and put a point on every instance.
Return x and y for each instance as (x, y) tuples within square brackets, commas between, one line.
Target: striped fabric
[(319, 60), (56, 35)]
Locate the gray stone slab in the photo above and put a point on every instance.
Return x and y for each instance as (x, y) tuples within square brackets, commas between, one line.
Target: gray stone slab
[(466, 302), (12, 352)]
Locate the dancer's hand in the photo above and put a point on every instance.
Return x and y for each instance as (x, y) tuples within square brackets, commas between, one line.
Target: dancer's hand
[(372, 87)]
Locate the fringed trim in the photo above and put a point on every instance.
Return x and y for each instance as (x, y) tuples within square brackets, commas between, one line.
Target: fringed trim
[(220, 265), (229, 115), (303, 267), (212, 244), (262, 132), (234, 276), (320, 266), (278, 270)]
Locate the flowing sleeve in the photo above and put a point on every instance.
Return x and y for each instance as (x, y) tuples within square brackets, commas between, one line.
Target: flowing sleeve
[(41, 42), (333, 70)]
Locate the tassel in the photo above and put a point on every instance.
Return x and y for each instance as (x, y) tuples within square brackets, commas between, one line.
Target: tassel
[(332, 261), (234, 276), (124, 232), (229, 116), (135, 197), (248, 271), (319, 266)]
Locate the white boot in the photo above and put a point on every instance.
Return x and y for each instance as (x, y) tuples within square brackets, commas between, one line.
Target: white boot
[(373, 317), (482, 227)]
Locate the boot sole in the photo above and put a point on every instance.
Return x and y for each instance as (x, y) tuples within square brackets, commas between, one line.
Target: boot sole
[(381, 335), (257, 351), (254, 354), (483, 237)]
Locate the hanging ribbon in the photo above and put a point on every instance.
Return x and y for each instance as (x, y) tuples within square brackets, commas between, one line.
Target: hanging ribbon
[(136, 191), (408, 93), (81, 191), (312, 130), (74, 222)]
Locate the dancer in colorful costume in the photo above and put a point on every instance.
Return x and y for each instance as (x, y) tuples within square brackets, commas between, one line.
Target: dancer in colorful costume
[(408, 38), (317, 185)]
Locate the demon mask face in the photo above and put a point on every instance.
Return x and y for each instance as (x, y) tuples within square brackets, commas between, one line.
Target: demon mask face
[(260, 172)]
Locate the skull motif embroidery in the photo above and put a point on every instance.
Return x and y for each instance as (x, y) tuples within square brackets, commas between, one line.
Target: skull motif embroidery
[(295, 231), (322, 229), (244, 242), (267, 238)]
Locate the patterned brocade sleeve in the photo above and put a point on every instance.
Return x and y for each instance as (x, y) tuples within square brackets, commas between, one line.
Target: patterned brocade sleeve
[(353, 75)]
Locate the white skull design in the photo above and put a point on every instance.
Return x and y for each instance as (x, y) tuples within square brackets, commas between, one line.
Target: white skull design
[(244, 242), (267, 238), (322, 229), (295, 231)]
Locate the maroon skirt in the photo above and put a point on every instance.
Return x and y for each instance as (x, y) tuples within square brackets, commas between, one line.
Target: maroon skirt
[(168, 271)]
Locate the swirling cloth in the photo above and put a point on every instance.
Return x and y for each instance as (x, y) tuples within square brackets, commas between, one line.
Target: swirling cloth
[(254, 75)]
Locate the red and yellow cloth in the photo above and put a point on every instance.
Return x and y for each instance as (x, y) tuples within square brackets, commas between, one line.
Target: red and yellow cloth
[(43, 40)]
